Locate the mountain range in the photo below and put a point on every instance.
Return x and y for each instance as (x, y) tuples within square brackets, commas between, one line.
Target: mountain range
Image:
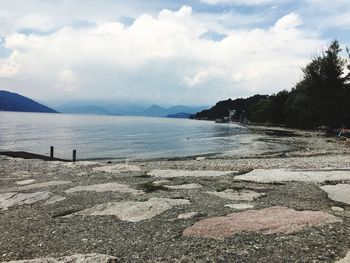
[(102, 108), (14, 102)]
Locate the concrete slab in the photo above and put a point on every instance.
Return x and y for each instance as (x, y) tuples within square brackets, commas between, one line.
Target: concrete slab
[(187, 173), (266, 221), (8, 200), (188, 215), (285, 175), (117, 168), (35, 186), (160, 182), (107, 187), (338, 192), (133, 211), (184, 186), (344, 260), (78, 258), (246, 195), (240, 206), (25, 182)]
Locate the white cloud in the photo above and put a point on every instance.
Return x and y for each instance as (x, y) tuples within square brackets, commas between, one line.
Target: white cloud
[(66, 81), (241, 2), (289, 21), (9, 67), (161, 57)]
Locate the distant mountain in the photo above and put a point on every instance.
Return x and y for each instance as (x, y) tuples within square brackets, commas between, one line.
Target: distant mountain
[(14, 102), (180, 115), (108, 108), (85, 109), (157, 111)]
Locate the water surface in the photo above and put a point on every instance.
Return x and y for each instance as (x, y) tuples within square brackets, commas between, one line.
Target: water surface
[(115, 136)]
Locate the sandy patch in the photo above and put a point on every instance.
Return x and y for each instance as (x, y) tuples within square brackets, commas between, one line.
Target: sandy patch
[(187, 173), (246, 195), (284, 175), (78, 258), (267, 221), (134, 211), (107, 187)]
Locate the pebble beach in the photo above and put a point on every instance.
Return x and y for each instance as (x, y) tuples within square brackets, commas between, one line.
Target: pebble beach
[(286, 200)]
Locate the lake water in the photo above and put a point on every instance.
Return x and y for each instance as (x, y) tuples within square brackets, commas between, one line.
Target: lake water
[(115, 136)]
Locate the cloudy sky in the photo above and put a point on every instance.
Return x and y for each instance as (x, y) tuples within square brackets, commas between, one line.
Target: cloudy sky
[(162, 51)]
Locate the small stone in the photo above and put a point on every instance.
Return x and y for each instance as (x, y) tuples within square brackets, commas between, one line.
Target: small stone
[(160, 182), (188, 215), (24, 182), (337, 209)]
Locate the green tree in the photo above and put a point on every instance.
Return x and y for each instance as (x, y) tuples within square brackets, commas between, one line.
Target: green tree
[(318, 98)]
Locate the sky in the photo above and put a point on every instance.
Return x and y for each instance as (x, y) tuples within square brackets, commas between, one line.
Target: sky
[(167, 52)]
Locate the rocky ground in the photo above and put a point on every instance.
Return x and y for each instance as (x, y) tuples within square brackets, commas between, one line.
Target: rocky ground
[(270, 206)]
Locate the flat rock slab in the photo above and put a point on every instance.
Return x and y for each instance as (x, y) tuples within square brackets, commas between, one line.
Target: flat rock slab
[(344, 260), (161, 182), (35, 186), (107, 187), (270, 220), (285, 175), (78, 164), (134, 211), (338, 192), (241, 206), (246, 195), (183, 186), (117, 168), (188, 215), (24, 174), (78, 258), (187, 173), (8, 200), (25, 182)]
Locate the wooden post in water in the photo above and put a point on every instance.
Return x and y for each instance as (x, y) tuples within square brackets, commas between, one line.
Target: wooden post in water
[(74, 155), (51, 152)]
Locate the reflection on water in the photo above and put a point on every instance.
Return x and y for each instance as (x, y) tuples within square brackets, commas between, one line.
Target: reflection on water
[(114, 136)]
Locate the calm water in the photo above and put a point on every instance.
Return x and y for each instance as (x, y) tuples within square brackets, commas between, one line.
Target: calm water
[(114, 136)]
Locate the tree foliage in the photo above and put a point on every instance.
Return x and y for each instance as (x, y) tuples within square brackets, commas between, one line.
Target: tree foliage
[(321, 98)]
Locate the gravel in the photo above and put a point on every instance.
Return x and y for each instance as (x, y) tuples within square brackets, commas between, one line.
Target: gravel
[(39, 230)]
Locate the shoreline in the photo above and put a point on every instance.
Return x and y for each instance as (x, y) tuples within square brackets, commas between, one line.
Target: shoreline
[(59, 209)]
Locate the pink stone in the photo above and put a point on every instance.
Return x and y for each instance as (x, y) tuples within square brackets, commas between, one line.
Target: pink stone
[(270, 220)]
